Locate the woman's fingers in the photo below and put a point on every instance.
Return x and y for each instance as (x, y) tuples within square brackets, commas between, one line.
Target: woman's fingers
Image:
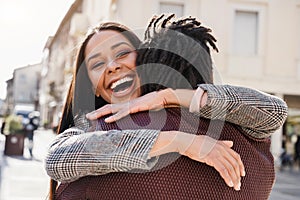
[(105, 110), (237, 157), (232, 163), (228, 143), (219, 155), (223, 171), (120, 110), (118, 115), (108, 109), (151, 101), (226, 168), (132, 107)]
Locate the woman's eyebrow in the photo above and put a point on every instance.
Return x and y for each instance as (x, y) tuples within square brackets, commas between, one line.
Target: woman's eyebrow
[(93, 56), (119, 44), (112, 47)]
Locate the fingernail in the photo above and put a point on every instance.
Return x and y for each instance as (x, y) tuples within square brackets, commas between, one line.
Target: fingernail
[(230, 184), (107, 120), (239, 186), (244, 173)]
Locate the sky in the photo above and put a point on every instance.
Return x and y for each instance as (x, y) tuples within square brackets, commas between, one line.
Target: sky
[(25, 26)]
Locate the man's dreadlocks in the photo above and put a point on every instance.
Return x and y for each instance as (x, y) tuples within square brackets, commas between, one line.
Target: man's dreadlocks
[(175, 54)]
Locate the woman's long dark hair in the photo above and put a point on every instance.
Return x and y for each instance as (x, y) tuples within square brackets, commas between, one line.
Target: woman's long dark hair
[(175, 54), (80, 94)]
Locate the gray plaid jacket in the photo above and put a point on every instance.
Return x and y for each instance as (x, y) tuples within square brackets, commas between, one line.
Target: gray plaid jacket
[(76, 153)]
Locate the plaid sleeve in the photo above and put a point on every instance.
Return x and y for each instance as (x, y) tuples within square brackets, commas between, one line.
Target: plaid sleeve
[(74, 153), (259, 114)]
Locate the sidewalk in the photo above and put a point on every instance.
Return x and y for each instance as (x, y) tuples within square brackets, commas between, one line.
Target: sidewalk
[(287, 185), (23, 178)]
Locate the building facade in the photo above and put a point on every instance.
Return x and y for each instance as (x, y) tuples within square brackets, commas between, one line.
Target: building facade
[(25, 87), (9, 99)]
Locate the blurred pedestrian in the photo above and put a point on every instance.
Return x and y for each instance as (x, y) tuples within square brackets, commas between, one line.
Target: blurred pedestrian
[(3, 127), (33, 124), (297, 151)]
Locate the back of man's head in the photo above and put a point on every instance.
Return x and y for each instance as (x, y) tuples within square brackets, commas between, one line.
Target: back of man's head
[(175, 54)]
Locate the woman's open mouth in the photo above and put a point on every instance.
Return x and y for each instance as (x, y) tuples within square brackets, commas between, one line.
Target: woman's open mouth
[(123, 86)]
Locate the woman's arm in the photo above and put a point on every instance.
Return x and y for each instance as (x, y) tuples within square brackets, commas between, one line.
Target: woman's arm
[(75, 154), (259, 114)]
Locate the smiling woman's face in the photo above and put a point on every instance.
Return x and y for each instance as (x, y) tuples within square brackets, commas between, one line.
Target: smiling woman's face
[(110, 61)]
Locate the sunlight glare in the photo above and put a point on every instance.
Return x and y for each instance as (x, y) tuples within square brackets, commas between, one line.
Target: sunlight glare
[(13, 12)]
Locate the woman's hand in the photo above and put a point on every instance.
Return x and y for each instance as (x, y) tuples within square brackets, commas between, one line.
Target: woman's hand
[(151, 101), (219, 155), (215, 153)]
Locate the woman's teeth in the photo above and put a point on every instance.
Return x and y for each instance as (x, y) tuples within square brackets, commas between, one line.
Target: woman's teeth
[(121, 81)]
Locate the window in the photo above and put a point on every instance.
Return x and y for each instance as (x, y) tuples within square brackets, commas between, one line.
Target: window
[(245, 35), (175, 8)]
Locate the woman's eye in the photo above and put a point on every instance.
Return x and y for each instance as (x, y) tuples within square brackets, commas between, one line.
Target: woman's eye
[(123, 54), (98, 64)]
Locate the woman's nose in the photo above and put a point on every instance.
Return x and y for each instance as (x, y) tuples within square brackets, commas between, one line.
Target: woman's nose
[(113, 66)]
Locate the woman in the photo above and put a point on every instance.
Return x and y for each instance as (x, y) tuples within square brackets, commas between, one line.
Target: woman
[(112, 84)]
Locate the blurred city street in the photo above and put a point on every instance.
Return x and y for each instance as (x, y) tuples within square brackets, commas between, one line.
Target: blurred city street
[(23, 178), (287, 185)]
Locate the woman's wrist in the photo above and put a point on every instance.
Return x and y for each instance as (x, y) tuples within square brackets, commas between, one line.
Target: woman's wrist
[(193, 99), (183, 142), (169, 97), (198, 100), (172, 141), (166, 142), (203, 100), (178, 97)]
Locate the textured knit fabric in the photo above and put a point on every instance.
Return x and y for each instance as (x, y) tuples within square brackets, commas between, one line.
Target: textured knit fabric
[(184, 178), (74, 153)]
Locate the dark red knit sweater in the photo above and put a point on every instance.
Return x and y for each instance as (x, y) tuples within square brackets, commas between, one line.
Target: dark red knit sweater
[(184, 178)]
